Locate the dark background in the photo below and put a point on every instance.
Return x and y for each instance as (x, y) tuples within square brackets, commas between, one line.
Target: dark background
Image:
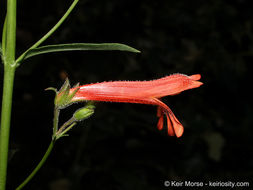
[(119, 148)]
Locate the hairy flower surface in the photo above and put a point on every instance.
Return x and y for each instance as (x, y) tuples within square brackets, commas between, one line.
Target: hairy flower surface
[(142, 92)]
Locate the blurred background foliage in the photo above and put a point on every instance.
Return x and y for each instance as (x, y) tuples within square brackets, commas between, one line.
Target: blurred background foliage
[(119, 148)]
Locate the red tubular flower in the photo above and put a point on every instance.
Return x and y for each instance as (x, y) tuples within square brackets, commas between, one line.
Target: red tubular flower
[(142, 92)]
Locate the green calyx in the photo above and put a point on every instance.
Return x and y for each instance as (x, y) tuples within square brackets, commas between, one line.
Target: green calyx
[(83, 113), (64, 96)]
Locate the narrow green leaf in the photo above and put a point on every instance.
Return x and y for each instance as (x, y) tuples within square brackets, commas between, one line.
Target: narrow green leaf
[(80, 47)]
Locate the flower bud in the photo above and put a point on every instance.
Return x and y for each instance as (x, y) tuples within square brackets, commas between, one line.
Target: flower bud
[(84, 113)]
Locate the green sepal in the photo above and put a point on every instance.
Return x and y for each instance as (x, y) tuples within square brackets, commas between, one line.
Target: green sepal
[(61, 100), (74, 92), (52, 88), (63, 97), (65, 86)]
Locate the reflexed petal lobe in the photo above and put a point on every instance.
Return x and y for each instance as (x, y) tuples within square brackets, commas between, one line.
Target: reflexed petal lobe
[(160, 123), (169, 126)]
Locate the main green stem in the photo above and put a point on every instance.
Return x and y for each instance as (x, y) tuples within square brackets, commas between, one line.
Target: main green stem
[(9, 72), (5, 123)]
